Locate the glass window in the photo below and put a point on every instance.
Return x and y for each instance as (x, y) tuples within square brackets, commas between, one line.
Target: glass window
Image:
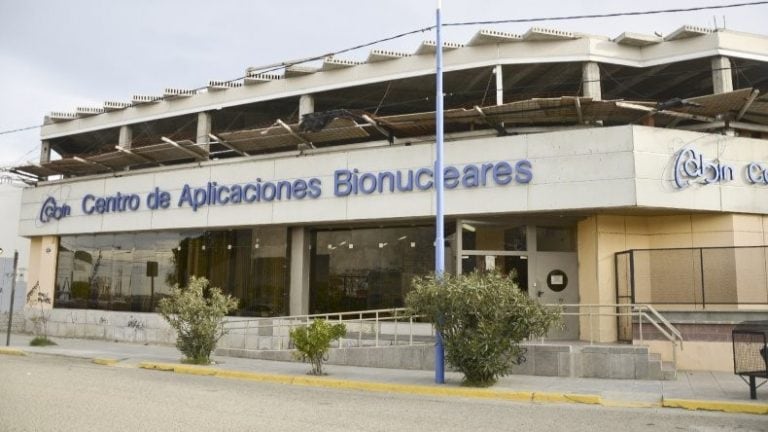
[(477, 235), (369, 268), (555, 239), (504, 264), (132, 272)]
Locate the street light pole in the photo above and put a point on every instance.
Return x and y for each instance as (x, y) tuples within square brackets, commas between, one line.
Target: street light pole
[(13, 292), (439, 187)]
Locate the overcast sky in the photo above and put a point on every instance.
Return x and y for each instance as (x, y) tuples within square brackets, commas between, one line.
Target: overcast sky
[(56, 55)]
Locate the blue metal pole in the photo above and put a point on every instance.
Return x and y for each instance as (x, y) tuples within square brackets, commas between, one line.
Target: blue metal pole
[(439, 188)]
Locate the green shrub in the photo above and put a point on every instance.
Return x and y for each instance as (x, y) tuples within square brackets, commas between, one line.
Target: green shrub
[(312, 342), (196, 313), (482, 318), (41, 341)]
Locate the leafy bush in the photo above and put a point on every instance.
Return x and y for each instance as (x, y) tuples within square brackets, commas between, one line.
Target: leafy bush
[(313, 342), (41, 341), (482, 318), (196, 313)]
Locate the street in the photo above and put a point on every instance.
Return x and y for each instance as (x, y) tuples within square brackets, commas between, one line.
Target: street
[(47, 393)]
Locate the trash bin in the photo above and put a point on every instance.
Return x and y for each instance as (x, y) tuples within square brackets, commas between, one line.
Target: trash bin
[(750, 355)]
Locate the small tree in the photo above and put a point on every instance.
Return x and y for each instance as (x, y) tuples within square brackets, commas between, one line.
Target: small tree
[(197, 313), (482, 317), (313, 342), (40, 316)]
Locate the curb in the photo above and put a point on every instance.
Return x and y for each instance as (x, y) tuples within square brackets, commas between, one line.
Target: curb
[(12, 351), (520, 396), (105, 361), (724, 406), (475, 393)]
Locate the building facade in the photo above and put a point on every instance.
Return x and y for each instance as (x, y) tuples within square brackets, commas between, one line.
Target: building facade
[(600, 171)]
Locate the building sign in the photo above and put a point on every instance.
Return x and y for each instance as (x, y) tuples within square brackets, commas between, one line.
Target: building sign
[(691, 167), (346, 183)]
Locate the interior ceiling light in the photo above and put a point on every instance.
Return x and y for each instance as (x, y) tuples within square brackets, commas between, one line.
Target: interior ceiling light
[(468, 227)]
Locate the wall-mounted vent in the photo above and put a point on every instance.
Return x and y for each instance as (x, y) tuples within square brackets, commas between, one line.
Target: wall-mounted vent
[(545, 34), (253, 77), (378, 55), (214, 85), (144, 99), (58, 116), (115, 106), (88, 111), (484, 37), (428, 47), (176, 92), (687, 31)]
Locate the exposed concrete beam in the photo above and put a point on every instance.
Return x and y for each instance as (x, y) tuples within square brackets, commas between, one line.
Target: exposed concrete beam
[(747, 104), (653, 111), (138, 156), (722, 79), (45, 151), (306, 105), (202, 137), (184, 149), (294, 134), (125, 139), (499, 71), (590, 81), (499, 128), (227, 145), (383, 131)]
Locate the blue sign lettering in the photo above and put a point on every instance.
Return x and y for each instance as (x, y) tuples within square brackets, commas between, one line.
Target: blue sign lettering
[(346, 183), (691, 167), (51, 210)]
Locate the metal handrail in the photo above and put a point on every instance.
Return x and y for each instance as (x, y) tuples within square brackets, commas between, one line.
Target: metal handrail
[(666, 322), (669, 331), (378, 316)]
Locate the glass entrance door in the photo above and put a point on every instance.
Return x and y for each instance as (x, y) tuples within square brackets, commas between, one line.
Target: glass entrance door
[(505, 264)]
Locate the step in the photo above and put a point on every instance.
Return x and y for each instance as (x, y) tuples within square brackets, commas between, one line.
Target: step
[(668, 371)]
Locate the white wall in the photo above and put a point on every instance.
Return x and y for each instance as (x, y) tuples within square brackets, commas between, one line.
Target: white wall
[(614, 167), (10, 207)]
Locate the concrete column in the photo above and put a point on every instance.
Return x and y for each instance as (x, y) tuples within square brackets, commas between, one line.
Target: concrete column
[(306, 105), (41, 270), (125, 138), (499, 85), (531, 246), (45, 151), (203, 129), (722, 80), (298, 299), (590, 81)]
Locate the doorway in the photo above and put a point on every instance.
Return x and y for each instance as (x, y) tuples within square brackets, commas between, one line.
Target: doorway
[(542, 259)]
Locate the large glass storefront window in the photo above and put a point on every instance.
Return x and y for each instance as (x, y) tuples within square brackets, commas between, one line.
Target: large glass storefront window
[(133, 271), (370, 268)]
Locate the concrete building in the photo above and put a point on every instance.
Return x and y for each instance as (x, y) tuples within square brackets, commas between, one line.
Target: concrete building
[(604, 171)]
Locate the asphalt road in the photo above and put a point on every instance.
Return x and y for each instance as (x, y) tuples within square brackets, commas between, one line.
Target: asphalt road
[(43, 393)]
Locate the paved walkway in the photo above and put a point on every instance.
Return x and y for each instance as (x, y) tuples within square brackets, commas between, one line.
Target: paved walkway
[(692, 389)]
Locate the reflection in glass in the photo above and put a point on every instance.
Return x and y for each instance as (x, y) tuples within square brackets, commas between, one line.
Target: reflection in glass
[(555, 239), (504, 264), (493, 236), (132, 272), (369, 268)]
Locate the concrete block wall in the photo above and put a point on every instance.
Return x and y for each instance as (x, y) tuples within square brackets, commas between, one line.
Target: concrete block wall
[(591, 361)]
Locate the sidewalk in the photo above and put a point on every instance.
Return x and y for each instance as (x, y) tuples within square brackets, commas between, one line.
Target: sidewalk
[(718, 391)]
